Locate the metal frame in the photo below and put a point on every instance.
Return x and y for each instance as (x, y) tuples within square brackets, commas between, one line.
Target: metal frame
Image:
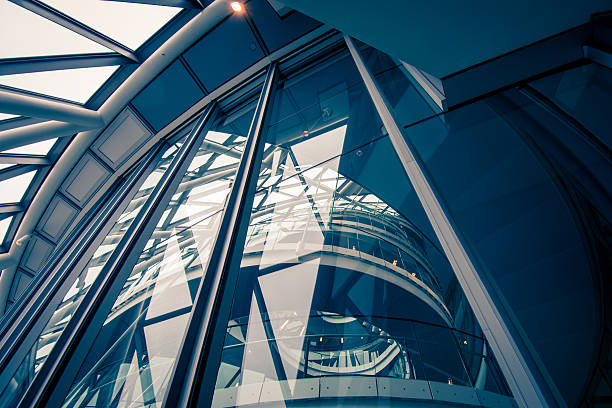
[(58, 62), (20, 327), (527, 384), (70, 23), (195, 371), (53, 380)]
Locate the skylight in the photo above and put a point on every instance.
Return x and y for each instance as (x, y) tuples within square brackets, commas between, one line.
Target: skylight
[(41, 148), (118, 19), (26, 34), (73, 84), (14, 188), (5, 116), (4, 225)]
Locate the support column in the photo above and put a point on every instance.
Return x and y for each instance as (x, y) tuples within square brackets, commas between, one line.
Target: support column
[(527, 384)]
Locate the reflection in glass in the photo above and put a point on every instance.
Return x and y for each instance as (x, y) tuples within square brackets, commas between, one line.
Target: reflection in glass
[(60, 318), (334, 281), (132, 358)]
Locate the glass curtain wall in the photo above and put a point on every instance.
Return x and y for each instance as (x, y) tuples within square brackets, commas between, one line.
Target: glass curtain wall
[(132, 358), (343, 281), (524, 174), (55, 326), (341, 273)]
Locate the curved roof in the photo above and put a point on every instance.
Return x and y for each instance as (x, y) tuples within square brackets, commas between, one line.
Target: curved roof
[(81, 100)]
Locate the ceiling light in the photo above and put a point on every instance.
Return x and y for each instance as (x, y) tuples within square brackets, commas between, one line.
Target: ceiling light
[(236, 6)]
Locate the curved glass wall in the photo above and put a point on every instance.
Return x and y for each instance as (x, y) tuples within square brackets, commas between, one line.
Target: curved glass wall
[(58, 321), (337, 290), (343, 290), (131, 360)]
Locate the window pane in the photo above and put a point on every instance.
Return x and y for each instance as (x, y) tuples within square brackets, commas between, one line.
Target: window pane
[(58, 321), (75, 85), (14, 188), (26, 34), (41, 148), (340, 260), (116, 19), (134, 353)]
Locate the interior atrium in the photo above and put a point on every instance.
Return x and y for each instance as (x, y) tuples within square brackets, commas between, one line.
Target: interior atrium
[(295, 203)]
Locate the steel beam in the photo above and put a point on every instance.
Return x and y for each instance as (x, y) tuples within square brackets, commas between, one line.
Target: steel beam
[(10, 66), (10, 208), (39, 107), (15, 171), (15, 158), (171, 3), (26, 135), (72, 24), (528, 385), (193, 30), (22, 325), (54, 379), (195, 372)]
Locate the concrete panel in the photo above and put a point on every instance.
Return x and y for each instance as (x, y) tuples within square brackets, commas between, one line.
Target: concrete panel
[(36, 254), (86, 177), (348, 386), (303, 388), (400, 388), (20, 284), (57, 218), (454, 393), (121, 138)]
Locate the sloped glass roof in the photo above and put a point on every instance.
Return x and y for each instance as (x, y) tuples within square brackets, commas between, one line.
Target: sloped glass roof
[(69, 31), (14, 188), (75, 85), (117, 19), (26, 34), (40, 148)]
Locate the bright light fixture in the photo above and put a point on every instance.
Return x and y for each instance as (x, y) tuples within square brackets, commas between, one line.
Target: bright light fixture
[(236, 6)]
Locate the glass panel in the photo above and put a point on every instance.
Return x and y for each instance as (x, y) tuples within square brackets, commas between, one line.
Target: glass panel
[(134, 353), (48, 337), (4, 225), (75, 85), (340, 262), (14, 188), (26, 34), (582, 92), (503, 169), (5, 116), (40, 148), (116, 19), (319, 115), (55, 326)]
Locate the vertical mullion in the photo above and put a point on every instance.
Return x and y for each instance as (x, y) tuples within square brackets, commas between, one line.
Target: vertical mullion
[(53, 381), (31, 314), (528, 385), (195, 371)]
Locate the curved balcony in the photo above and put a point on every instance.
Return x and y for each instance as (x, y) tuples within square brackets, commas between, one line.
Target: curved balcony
[(326, 356)]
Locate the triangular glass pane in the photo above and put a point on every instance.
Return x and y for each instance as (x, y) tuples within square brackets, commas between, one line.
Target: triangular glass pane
[(4, 225), (26, 34), (5, 116), (118, 19), (76, 84), (41, 148), (14, 188), (5, 166)]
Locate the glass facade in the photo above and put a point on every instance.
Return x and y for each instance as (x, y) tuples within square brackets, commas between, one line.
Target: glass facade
[(338, 284)]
